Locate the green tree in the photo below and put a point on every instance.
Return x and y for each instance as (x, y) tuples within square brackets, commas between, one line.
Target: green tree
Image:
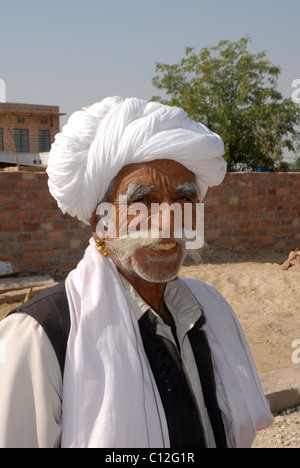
[(235, 93), (296, 166)]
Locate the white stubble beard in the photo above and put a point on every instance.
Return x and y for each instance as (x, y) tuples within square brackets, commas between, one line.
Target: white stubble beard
[(128, 251)]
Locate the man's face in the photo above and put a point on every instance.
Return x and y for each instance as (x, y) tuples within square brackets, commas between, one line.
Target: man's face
[(157, 182)]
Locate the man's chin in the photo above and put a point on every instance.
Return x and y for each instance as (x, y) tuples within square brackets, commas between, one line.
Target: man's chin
[(152, 270), (161, 277)]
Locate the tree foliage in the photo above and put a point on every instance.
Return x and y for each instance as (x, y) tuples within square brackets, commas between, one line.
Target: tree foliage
[(296, 166), (235, 93)]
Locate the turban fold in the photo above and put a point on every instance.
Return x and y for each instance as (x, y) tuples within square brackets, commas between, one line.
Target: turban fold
[(100, 140)]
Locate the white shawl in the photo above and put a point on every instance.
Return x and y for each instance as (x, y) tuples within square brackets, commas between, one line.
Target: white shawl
[(110, 397)]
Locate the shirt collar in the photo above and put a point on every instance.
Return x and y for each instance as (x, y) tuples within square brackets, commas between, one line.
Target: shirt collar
[(183, 306)]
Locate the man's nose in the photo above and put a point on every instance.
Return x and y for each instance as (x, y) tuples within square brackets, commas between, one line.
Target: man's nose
[(167, 217)]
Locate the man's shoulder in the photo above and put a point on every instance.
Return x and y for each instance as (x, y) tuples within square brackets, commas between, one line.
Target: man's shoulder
[(51, 310), (214, 305), (200, 287), (55, 296)]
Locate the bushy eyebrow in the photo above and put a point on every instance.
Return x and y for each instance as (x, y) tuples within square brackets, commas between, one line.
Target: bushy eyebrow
[(190, 189), (136, 191)]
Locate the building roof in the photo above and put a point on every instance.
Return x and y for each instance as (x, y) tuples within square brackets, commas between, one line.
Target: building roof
[(31, 110)]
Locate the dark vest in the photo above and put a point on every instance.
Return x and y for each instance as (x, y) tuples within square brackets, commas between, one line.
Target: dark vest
[(51, 310)]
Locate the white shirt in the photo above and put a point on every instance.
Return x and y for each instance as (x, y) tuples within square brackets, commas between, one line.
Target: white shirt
[(31, 385)]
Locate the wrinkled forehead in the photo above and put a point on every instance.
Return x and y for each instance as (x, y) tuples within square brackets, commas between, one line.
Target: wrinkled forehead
[(163, 174)]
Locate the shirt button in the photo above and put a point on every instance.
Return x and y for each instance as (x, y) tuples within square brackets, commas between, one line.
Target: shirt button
[(169, 386), (160, 352), (165, 369)]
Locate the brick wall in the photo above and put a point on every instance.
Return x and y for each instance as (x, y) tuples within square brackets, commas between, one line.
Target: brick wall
[(260, 210), (254, 209), (34, 234), (32, 115)]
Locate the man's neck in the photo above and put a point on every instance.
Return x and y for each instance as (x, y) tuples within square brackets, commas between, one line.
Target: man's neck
[(152, 293)]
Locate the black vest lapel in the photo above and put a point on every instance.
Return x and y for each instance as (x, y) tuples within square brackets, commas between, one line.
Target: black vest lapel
[(203, 359), (51, 310), (184, 425)]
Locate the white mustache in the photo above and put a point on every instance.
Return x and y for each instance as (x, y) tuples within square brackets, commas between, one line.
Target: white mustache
[(126, 245)]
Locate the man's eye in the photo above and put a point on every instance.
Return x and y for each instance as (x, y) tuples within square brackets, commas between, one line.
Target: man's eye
[(185, 198), (140, 200)]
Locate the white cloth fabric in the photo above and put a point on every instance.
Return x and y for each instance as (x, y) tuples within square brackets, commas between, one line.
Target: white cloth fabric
[(99, 141), (110, 396), (31, 386)]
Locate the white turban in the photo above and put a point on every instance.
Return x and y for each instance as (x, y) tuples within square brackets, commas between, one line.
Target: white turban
[(99, 141)]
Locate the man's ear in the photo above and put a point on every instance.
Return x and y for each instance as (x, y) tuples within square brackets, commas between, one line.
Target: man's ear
[(94, 221)]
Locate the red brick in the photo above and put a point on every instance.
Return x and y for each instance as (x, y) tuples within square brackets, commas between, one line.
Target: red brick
[(38, 235), (6, 217), (22, 216), (11, 227), (42, 205), (55, 235), (27, 206), (11, 206), (49, 245), (55, 215), (7, 257), (49, 254), (39, 264), (253, 200), (4, 197), (31, 256), (24, 238), (30, 247), (60, 226), (211, 201), (30, 227), (6, 186), (38, 195), (250, 192), (13, 176), (36, 216), (22, 185), (283, 191), (213, 234)]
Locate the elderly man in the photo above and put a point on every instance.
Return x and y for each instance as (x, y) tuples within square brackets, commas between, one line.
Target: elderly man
[(124, 354)]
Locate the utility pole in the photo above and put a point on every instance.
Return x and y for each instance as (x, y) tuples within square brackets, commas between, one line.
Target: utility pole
[(2, 91)]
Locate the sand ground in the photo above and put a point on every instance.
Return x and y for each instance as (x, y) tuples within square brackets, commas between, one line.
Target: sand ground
[(265, 298)]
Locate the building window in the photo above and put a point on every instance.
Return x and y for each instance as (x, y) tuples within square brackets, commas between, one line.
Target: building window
[(20, 120), (1, 140), (44, 121), (44, 141), (21, 141)]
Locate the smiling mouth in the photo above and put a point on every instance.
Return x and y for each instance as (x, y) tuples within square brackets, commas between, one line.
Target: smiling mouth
[(165, 247)]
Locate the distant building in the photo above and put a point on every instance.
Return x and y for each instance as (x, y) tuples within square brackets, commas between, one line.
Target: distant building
[(27, 132)]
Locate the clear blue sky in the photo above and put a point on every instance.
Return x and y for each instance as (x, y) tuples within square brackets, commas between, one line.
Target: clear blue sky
[(73, 53)]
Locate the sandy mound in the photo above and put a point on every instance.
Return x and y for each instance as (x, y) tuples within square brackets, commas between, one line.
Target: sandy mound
[(293, 261)]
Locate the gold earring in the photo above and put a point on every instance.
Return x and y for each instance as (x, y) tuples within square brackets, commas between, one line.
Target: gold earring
[(101, 248)]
